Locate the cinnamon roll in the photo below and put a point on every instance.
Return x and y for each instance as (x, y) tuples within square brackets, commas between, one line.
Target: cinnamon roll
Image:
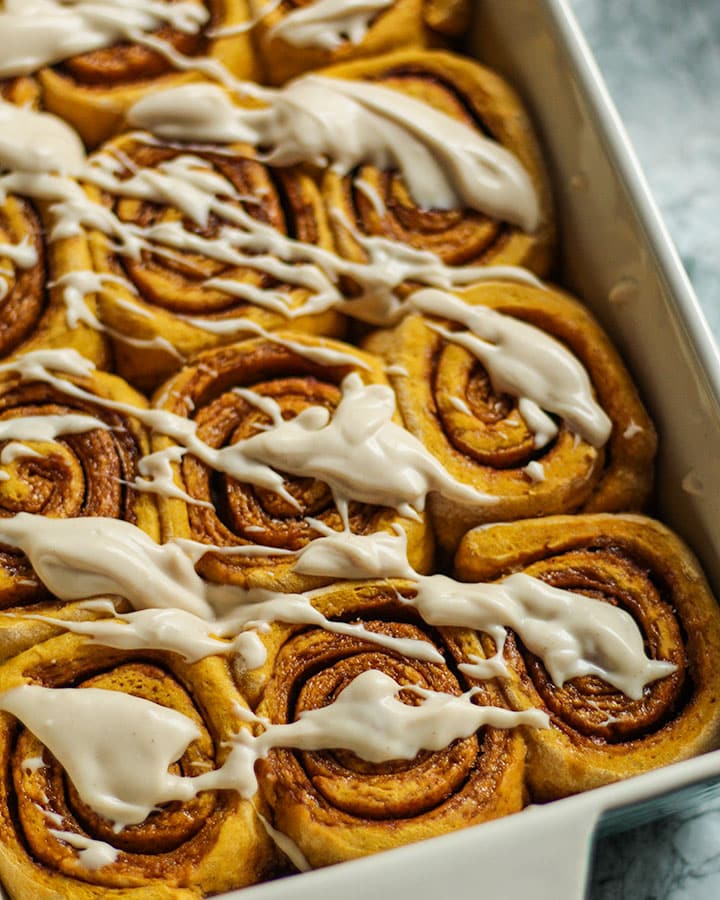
[(26, 606), (296, 37), (33, 311), (375, 203), (334, 805), (56, 843), (64, 455), (228, 394), (462, 392), (598, 734), (187, 286), (93, 91)]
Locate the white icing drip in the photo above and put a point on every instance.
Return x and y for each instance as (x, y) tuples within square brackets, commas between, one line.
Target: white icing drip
[(573, 634), (37, 33), (286, 844), (122, 773), (35, 142), (327, 24), (92, 854), (33, 763), (14, 451), (156, 476), (445, 163), (460, 405), (359, 452), (535, 471), (348, 556), (89, 557), (166, 629), (45, 428), (118, 750), (94, 556), (400, 371), (632, 429), (53, 817), (539, 422), (523, 361), (263, 607), (24, 255), (372, 195), (244, 241), (77, 285), (243, 27)]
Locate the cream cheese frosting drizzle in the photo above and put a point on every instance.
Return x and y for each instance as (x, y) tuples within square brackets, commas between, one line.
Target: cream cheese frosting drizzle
[(92, 854), (36, 142), (121, 770), (90, 557), (173, 630), (573, 634), (523, 361), (122, 773), (24, 255), (37, 33), (242, 240), (328, 24), (359, 452), (315, 119)]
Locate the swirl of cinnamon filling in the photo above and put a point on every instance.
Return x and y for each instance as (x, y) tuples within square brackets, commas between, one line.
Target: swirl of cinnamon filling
[(598, 734), (332, 803), (240, 513)]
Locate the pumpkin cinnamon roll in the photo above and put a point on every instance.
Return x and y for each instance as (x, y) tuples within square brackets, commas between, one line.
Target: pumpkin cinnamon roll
[(65, 451), (93, 91), (297, 36), (197, 267), (33, 311), (373, 202), (598, 734), (58, 841), (336, 806), (237, 392), (519, 393)]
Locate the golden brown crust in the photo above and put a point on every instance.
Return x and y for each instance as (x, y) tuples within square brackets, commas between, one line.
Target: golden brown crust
[(598, 735), (490, 447)]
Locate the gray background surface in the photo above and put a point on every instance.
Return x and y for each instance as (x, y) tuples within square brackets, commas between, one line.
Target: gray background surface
[(661, 61)]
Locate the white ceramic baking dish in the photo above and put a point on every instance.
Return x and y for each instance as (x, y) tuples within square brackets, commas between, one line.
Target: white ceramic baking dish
[(616, 254)]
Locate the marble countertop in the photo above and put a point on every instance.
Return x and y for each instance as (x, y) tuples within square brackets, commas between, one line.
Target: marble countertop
[(661, 61)]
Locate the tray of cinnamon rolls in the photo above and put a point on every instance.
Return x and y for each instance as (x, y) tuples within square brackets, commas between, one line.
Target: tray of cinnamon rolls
[(356, 440)]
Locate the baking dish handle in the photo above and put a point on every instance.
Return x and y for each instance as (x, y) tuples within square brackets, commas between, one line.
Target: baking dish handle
[(542, 853), (548, 860)]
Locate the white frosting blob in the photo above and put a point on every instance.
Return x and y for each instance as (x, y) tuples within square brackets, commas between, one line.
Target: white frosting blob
[(445, 163), (37, 142)]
